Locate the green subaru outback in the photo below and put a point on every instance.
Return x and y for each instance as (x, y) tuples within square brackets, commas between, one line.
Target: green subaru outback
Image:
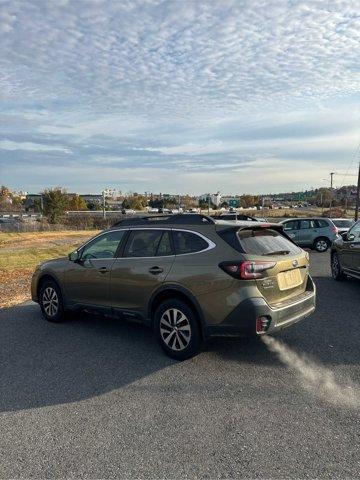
[(189, 277)]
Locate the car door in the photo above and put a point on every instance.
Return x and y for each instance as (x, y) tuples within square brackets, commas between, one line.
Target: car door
[(354, 248), (307, 232), (87, 281), (291, 227), (144, 265)]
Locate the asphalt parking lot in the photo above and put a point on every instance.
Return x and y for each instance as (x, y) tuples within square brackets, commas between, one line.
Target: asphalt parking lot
[(96, 398)]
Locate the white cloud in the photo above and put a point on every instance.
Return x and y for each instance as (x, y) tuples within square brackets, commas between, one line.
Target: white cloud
[(203, 88), (32, 147)]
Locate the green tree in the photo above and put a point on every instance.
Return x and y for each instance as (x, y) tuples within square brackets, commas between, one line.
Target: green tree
[(56, 202), (77, 203)]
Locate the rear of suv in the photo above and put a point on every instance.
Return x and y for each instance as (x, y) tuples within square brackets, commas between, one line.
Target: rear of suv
[(316, 233), (189, 277)]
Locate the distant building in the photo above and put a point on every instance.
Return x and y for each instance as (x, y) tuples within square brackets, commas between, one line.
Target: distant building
[(215, 198), (93, 199)]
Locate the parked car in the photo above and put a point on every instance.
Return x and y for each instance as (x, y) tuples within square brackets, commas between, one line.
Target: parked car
[(187, 276), (342, 224), (345, 254), (317, 233), (235, 216)]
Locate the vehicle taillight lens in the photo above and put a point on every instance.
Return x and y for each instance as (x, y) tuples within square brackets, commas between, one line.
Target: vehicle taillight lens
[(335, 230), (262, 324), (246, 270)]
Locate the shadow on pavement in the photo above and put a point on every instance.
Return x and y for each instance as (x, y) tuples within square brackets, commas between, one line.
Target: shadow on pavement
[(47, 364)]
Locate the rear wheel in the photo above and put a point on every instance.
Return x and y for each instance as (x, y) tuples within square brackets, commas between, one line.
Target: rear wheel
[(177, 329), (336, 270), (321, 244), (51, 302)]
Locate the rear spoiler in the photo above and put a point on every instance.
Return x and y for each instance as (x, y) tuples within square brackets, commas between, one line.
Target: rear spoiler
[(278, 227), (251, 226)]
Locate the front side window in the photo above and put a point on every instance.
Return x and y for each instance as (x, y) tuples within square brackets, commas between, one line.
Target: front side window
[(143, 243), (290, 225), (104, 246), (187, 242), (355, 230)]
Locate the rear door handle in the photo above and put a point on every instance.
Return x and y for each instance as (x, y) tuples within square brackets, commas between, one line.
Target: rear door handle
[(103, 270), (156, 270)]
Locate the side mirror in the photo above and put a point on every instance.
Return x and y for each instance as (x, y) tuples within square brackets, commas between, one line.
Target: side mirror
[(74, 256), (350, 237)]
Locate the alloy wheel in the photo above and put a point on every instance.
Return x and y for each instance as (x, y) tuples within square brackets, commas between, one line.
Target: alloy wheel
[(50, 301), (175, 329), (321, 245)]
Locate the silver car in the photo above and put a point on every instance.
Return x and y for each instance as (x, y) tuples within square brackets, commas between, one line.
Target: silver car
[(316, 233), (343, 224)]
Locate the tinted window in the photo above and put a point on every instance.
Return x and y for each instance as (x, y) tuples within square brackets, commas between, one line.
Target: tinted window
[(165, 247), (143, 243), (321, 223), (304, 224), (355, 230), (186, 242), (104, 246), (291, 225), (343, 223), (265, 241), (228, 217)]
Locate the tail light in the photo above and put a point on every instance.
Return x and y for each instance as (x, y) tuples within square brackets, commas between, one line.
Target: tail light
[(262, 324), (335, 230), (246, 270)]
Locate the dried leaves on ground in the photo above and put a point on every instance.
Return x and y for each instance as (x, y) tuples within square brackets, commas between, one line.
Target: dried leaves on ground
[(21, 252)]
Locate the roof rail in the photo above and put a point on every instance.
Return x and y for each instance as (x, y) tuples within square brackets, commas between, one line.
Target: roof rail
[(178, 219)]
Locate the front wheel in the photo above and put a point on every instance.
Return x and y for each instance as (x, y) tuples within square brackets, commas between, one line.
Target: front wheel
[(321, 244), (336, 270), (51, 302), (177, 329)]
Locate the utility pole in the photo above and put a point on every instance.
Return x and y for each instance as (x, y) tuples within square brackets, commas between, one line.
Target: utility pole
[(103, 204), (357, 197), (331, 191)]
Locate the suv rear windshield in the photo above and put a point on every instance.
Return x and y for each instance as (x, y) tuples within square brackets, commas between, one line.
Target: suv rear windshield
[(264, 241), (343, 223)]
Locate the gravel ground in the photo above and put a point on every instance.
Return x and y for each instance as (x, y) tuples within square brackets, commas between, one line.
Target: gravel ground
[(96, 398)]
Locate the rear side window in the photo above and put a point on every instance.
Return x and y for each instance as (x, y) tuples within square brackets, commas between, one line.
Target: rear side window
[(143, 243), (321, 223), (165, 247), (304, 224), (187, 242)]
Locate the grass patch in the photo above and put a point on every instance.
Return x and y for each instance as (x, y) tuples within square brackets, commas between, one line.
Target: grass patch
[(21, 252)]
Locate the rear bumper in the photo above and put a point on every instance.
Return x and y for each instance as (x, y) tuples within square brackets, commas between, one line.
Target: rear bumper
[(242, 320)]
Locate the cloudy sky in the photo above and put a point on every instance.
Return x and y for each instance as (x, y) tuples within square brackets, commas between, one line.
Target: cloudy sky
[(178, 96)]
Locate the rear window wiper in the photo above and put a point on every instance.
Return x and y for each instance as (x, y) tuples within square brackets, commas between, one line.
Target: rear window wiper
[(278, 252)]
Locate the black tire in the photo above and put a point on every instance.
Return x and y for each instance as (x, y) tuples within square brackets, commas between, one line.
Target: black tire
[(336, 270), (51, 301), (321, 244), (184, 338)]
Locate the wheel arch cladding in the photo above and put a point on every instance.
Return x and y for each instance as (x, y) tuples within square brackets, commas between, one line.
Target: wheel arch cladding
[(178, 293)]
